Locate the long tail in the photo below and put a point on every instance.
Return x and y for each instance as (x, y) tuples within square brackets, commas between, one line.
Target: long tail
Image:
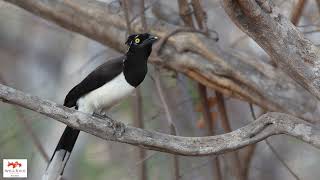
[(61, 154)]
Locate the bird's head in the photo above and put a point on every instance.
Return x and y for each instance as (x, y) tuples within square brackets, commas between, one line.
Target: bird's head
[(135, 64), (141, 41)]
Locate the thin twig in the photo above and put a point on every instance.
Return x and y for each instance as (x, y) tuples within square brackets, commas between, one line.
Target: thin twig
[(169, 117), (252, 111), (281, 160), (163, 99), (130, 172)]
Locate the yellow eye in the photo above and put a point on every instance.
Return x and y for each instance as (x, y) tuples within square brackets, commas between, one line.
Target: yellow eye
[(137, 40)]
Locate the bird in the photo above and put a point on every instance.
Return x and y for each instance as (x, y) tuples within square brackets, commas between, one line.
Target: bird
[(100, 90)]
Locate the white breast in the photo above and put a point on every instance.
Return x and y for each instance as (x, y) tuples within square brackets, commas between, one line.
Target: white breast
[(106, 96)]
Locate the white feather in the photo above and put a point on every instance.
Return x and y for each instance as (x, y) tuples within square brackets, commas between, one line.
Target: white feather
[(103, 98)]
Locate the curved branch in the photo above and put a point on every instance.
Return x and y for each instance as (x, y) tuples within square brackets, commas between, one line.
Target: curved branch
[(195, 55), (267, 125)]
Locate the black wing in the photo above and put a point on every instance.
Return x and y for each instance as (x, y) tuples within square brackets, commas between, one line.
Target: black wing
[(97, 78)]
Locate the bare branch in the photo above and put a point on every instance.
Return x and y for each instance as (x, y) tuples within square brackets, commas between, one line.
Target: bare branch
[(267, 125), (295, 54)]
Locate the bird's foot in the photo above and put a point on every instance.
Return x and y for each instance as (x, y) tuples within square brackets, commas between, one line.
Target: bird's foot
[(118, 127)]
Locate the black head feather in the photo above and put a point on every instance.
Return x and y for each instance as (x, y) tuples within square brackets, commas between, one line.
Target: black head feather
[(141, 40), (135, 64)]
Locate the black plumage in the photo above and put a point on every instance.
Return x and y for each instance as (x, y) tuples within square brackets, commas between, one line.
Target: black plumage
[(133, 64), (124, 73), (97, 78)]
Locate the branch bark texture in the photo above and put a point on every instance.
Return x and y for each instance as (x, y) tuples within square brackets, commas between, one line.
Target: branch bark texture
[(265, 126), (263, 22)]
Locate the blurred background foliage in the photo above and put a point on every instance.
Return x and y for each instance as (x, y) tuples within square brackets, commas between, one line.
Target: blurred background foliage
[(43, 59)]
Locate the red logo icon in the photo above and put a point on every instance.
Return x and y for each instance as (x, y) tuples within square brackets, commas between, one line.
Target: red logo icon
[(14, 164)]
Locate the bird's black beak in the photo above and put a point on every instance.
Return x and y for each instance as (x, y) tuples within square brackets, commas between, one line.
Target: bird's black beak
[(150, 40)]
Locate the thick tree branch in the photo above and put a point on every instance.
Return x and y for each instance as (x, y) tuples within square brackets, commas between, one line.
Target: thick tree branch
[(298, 56), (195, 55), (265, 126)]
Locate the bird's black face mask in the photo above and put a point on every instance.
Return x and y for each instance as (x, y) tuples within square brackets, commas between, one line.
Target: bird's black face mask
[(141, 41)]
